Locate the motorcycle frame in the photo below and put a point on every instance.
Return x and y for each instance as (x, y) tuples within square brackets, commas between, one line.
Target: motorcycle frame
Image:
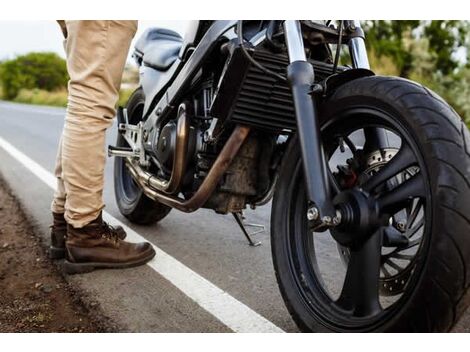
[(301, 79)]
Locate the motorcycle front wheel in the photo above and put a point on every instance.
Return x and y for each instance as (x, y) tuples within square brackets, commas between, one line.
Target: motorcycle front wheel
[(411, 275)]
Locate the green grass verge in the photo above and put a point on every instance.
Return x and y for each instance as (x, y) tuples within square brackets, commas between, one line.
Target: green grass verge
[(42, 97), (57, 98)]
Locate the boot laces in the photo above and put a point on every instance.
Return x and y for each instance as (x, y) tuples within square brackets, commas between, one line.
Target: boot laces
[(110, 232)]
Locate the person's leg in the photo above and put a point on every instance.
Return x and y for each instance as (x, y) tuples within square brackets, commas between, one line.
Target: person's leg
[(58, 203), (96, 55), (59, 226)]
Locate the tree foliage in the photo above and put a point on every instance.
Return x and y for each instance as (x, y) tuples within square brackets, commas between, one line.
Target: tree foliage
[(45, 71), (390, 38)]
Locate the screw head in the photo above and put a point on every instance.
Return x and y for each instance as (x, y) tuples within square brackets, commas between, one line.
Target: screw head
[(401, 225), (312, 214)]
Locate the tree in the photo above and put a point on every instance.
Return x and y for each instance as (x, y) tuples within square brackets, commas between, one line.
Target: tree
[(389, 38), (445, 37), (386, 38), (34, 70)]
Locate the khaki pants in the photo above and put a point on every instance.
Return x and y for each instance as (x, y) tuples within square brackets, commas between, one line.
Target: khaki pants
[(96, 55)]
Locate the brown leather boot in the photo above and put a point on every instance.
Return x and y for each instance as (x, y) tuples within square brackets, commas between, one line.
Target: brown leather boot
[(59, 232), (98, 246)]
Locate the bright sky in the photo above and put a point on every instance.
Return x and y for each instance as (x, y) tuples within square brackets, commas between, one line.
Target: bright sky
[(20, 37)]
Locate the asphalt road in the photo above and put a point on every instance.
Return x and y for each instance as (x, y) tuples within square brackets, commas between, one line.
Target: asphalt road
[(210, 245)]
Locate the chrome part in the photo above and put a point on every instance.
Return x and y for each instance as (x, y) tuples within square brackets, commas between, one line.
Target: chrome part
[(326, 220), (357, 50), (133, 135), (295, 42), (121, 152), (401, 225), (179, 161), (239, 218), (378, 159), (312, 214), (258, 38), (209, 133), (337, 218)]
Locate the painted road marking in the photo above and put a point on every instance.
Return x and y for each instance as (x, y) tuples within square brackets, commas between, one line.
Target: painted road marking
[(230, 311)]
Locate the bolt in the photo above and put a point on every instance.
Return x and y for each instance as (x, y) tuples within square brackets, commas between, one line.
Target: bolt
[(326, 220), (337, 218), (312, 214), (401, 225)]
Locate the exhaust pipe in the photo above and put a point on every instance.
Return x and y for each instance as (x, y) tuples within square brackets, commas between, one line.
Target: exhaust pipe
[(146, 181), (179, 159)]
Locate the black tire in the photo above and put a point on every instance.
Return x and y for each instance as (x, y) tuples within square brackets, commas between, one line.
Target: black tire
[(131, 201), (439, 294)]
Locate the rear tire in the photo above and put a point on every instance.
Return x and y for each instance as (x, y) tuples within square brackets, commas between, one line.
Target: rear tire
[(439, 295), (131, 200)]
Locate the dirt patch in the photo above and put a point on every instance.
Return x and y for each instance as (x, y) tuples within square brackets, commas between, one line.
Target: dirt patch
[(34, 297)]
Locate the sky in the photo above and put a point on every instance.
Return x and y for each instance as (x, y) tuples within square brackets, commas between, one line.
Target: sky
[(20, 37)]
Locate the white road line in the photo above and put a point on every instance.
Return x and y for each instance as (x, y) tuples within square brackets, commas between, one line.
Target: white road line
[(231, 312)]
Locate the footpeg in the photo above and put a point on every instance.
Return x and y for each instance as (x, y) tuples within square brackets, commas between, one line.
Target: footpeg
[(133, 135), (239, 218), (122, 152)]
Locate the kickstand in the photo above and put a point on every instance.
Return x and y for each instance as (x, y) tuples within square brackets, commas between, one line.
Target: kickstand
[(239, 219)]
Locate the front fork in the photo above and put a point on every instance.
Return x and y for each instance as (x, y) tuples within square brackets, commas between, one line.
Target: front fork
[(301, 77)]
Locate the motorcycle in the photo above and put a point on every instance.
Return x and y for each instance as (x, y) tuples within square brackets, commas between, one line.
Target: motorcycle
[(241, 113)]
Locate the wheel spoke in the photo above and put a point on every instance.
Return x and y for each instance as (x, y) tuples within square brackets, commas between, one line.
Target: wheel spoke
[(350, 145), (401, 161), (360, 293), (385, 271), (394, 265), (399, 197), (412, 218), (415, 229), (408, 257), (412, 244)]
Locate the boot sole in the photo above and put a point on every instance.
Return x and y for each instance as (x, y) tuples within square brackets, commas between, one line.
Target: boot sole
[(56, 252), (71, 268)]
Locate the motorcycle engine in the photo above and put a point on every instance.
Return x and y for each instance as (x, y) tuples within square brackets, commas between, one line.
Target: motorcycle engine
[(246, 177), (164, 145)]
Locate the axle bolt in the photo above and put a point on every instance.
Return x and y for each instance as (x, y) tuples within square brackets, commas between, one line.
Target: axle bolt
[(312, 214), (326, 220), (337, 219)]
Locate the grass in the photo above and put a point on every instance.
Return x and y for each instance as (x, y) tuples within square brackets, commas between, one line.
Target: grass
[(57, 98), (42, 97)]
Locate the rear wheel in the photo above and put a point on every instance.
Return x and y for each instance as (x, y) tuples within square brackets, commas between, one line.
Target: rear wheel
[(131, 200), (412, 272)]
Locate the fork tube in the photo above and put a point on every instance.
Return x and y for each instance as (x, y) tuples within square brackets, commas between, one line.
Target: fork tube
[(301, 77), (375, 137), (357, 49)]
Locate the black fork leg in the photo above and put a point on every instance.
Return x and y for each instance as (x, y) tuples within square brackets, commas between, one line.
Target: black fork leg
[(301, 77)]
